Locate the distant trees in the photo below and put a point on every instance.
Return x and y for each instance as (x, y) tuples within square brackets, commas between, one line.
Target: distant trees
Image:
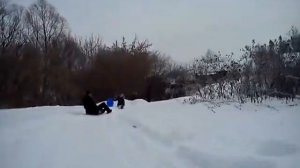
[(272, 68), (125, 68), (216, 76), (38, 60), (43, 25), (263, 70), (10, 42), (42, 64), (10, 25)]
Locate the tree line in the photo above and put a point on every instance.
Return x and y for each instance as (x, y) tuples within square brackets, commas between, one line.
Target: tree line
[(262, 71), (41, 63)]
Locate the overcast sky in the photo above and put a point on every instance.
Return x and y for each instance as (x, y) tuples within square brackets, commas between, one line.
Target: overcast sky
[(182, 29)]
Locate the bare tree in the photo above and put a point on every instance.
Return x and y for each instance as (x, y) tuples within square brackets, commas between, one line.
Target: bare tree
[(45, 28), (161, 64), (43, 24), (90, 46), (10, 24)]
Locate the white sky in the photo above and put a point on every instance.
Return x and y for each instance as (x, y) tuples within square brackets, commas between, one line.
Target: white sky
[(182, 29)]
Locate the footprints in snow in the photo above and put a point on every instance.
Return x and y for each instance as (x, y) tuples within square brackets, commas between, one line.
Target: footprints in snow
[(194, 158), (277, 148)]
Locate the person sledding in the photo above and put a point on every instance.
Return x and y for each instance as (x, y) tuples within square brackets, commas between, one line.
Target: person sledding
[(120, 101), (91, 108)]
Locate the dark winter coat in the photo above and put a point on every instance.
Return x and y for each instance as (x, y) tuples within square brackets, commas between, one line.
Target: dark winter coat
[(121, 101), (89, 105)]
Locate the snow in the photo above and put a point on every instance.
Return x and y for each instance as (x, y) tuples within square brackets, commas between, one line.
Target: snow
[(166, 134)]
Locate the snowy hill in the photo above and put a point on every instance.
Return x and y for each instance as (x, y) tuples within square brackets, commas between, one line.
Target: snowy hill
[(164, 134)]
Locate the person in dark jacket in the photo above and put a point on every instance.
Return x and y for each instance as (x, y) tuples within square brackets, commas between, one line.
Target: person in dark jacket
[(91, 108), (121, 101)]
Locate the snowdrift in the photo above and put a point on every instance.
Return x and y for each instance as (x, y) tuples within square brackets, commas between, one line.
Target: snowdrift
[(164, 134)]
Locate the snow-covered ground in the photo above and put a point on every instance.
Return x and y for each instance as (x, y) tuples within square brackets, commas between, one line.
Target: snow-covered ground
[(165, 134)]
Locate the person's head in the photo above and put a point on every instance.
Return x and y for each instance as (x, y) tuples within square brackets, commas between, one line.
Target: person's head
[(122, 95), (87, 92)]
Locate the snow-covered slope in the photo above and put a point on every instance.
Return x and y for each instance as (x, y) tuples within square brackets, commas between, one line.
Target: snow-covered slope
[(164, 134)]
